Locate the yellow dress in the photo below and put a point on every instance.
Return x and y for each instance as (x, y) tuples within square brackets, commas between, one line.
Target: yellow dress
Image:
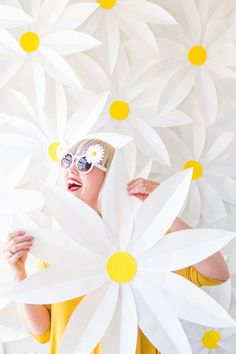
[(61, 312)]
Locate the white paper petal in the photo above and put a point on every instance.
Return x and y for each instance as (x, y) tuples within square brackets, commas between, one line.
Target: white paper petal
[(218, 147), (174, 251), (69, 42), (39, 82), (188, 301), (118, 215), (156, 318), (213, 207), (77, 219), (151, 13), (147, 134), (26, 200), (206, 95), (53, 285), (49, 13), (177, 88), (56, 67), (121, 336), (90, 320), (112, 40), (74, 15), (9, 45), (14, 178), (12, 17), (159, 211)]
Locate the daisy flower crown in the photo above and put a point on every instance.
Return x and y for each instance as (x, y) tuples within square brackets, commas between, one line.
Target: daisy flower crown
[(95, 154)]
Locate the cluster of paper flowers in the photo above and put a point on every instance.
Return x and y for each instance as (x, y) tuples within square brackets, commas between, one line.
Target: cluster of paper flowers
[(162, 72)]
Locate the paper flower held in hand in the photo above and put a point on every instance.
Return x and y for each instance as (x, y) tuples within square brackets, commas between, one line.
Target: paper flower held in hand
[(123, 262), (95, 153)]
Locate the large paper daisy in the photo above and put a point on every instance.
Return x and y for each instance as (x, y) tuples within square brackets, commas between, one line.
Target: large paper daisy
[(199, 51), (47, 138), (124, 264), (210, 340), (210, 156), (50, 38)]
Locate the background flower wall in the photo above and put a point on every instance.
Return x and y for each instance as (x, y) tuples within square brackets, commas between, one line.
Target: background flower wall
[(161, 71)]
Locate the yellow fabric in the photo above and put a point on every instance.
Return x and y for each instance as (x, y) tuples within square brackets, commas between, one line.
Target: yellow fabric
[(61, 312)]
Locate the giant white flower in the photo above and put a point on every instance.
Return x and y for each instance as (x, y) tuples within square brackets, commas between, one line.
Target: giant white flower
[(198, 51), (211, 340), (49, 39), (123, 263), (46, 137), (210, 155), (114, 18)]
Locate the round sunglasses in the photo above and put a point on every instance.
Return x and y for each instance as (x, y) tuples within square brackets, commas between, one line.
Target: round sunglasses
[(81, 163)]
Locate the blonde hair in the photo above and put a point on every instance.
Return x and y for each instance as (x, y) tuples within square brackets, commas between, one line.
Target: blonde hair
[(81, 147)]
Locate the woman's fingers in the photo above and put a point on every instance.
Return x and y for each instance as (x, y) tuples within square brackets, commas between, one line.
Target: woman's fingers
[(13, 258), (142, 185), (136, 182), (20, 246)]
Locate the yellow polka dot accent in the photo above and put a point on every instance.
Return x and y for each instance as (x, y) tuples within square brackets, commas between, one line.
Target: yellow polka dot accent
[(121, 267), (29, 41), (119, 110), (197, 55), (107, 4), (53, 151), (197, 168), (210, 339)]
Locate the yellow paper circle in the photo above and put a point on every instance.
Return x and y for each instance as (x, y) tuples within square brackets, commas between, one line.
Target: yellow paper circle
[(119, 110), (121, 267), (197, 55), (197, 168), (106, 4), (29, 41), (53, 151), (210, 339)]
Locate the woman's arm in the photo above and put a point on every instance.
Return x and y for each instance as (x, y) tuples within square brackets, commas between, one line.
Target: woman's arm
[(36, 318), (214, 266)]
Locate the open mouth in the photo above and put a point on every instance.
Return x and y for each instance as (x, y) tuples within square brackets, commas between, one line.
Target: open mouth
[(73, 185)]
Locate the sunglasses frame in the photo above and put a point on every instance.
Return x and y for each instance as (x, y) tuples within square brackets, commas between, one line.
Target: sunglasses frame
[(76, 157)]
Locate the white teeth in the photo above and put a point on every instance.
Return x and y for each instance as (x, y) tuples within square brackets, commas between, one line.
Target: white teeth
[(70, 181)]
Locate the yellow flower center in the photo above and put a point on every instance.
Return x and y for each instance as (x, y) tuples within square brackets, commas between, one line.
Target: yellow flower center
[(94, 153), (29, 41), (121, 267), (210, 339), (106, 4), (197, 168), (197, 55), (53, 151), (119, 110)]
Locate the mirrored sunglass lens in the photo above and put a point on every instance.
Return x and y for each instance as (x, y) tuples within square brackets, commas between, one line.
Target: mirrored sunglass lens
[(83, 165), (66, 161)]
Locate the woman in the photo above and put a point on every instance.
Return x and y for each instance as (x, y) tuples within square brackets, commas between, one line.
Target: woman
[(85, 181)]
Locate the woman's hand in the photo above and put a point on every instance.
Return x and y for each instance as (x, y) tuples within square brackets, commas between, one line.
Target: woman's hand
[(141, 187), (16, 250)]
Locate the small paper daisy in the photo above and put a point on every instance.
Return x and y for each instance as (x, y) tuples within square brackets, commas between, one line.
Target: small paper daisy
[(95, 153)]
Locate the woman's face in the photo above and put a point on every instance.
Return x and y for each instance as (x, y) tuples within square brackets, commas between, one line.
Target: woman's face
[(85, 186)]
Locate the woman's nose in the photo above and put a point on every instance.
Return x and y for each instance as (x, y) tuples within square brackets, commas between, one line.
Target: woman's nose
[(73, 168)]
